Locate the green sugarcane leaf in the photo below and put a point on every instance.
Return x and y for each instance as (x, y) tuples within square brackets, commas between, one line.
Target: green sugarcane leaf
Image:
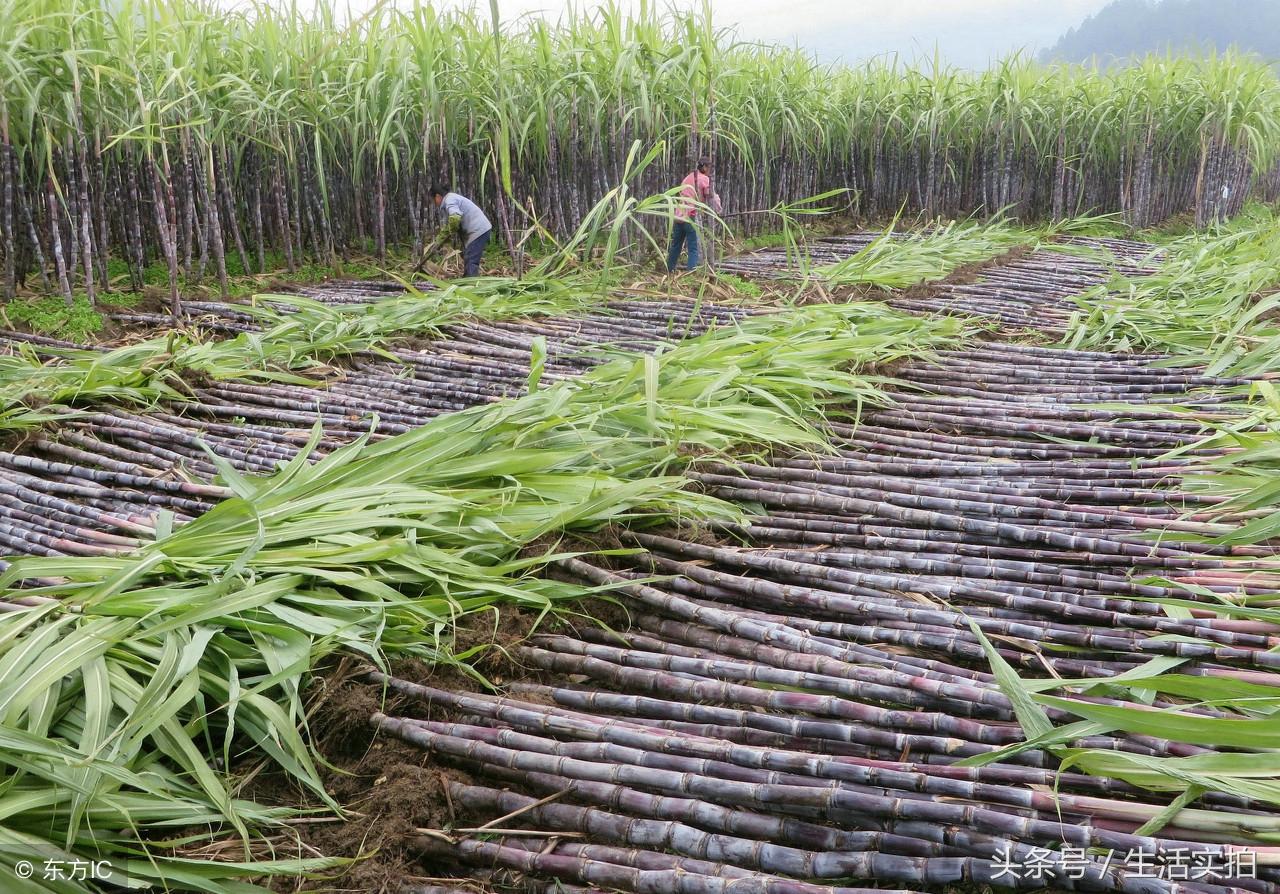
[(1171, 775), (1031, 717), (1218, 732), (1050, 740), (97, 708), (1171, 812), (1153, 668), (164, 524), (537, 362)]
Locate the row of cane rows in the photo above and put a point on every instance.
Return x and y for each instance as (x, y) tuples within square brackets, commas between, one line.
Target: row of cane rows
[(230, 318), (786, 708), (94, 482), (1029, 292), (771, 263)]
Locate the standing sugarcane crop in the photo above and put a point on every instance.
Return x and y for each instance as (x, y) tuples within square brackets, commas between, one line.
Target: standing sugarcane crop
[(466, 220), (696, 188)]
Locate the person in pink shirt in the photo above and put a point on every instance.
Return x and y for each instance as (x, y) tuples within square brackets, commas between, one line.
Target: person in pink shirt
[(694, 188)]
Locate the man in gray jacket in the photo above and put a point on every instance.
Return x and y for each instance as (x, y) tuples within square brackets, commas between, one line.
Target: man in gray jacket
[(464, 217)]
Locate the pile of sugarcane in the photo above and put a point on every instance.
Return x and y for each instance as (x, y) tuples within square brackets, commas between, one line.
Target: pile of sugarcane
[(1029, 292), (1034, 292), (174, 660), (780, 261), (788, 705), (227, 317), (891, 259), (1125, 249), (93, 483)]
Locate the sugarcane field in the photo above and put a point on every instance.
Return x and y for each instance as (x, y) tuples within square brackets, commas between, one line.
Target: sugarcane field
[(729, 448)]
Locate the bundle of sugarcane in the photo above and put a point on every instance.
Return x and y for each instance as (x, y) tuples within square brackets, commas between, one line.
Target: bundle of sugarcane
[(782, 261), (1033, 292), (1129, 251), (195, 646), (646, 782), (844, 689), (758, 705), (887, 260)]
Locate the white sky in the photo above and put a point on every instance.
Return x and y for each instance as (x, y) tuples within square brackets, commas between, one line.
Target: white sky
[(969, 33)]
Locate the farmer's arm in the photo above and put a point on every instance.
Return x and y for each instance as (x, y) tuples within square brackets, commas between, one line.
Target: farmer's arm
[(451, 225), (711, 198), (446, 232)]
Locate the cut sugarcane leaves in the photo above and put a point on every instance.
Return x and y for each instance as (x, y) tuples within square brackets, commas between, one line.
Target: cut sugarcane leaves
[(298, 338), (1247, 775), (205, 636), (1210, 302), (892, 262), (1031, 717)]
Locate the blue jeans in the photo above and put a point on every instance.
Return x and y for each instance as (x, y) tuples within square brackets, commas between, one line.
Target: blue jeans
[(681, 233), (472, 253)]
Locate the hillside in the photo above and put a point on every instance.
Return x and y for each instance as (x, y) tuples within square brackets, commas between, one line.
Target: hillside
[(1127, 28)]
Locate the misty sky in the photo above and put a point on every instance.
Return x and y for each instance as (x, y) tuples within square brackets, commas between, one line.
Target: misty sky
[(967, 32)]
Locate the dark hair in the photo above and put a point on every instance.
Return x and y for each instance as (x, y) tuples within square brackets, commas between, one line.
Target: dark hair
[(440, 189), (704, 162)]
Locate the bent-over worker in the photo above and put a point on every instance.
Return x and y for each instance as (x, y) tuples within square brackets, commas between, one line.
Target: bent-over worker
[(464, 218), (694, 188)]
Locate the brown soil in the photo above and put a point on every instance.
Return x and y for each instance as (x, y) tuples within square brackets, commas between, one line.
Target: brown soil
[(388, 789)]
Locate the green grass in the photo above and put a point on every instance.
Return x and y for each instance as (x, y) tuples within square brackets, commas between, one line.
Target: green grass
[(50, 315), (743, 287), (764, 240)]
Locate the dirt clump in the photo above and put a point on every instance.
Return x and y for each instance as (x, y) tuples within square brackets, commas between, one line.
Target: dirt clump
[(387, 789)]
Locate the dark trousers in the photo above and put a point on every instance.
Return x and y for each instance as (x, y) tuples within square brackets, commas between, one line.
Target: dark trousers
[(473, 251), (682, 232)]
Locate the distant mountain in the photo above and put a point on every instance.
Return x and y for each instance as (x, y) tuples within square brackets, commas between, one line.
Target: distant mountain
[(1128, 28)]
